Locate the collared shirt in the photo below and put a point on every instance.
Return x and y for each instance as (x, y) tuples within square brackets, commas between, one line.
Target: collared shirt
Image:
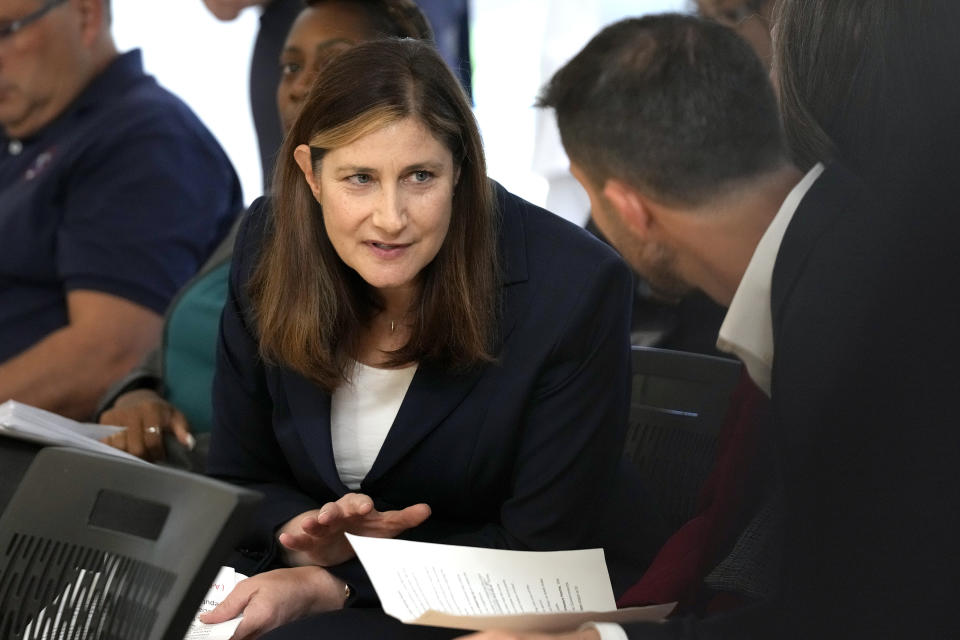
[(747, 330), (125, 192)]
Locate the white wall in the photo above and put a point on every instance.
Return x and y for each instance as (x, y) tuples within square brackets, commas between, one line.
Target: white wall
[(204, 61), (517, 44)]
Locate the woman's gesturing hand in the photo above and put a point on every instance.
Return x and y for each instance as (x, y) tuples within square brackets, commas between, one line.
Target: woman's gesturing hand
[(316, 537), (146, 415), (269, 600)]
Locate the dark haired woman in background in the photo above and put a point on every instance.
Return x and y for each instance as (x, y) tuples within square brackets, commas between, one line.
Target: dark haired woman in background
[(407, 348)]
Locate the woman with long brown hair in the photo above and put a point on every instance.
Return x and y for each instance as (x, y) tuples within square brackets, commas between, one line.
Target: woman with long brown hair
[(407, 348), (169, 394)]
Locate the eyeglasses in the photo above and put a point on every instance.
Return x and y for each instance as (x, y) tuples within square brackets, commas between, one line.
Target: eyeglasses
[(7, 29)]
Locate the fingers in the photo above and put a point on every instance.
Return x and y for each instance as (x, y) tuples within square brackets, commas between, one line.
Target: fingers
[(353, 513), (297, 542), (335, 517), (232, 606), (139, 440), (328, 515), (389, 524), (181, 429), (413, 515), (117, 440), (352, 505), (145, 441), (152, 437), (145, 422)]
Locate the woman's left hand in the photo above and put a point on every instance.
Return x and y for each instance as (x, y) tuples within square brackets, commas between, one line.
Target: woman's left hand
[(269, 600), (316, 537)]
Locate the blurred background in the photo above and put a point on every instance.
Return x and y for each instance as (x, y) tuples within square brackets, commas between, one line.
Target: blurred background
[(516, 45)]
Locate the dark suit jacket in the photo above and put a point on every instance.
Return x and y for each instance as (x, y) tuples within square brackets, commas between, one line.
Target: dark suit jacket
[(866, 378), (510, 455)]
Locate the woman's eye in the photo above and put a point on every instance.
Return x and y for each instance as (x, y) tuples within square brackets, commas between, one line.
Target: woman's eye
[(288, 68), (360, 178), (421, 176)]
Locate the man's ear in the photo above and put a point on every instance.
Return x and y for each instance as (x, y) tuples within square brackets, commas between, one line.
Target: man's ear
[(93, 20), (630, 204), (302, 156)]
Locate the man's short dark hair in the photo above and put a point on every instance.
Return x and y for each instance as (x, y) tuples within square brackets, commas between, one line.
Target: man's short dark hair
[(672, 104)]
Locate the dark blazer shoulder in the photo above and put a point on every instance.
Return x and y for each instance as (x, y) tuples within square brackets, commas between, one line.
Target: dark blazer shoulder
[(833, 213)]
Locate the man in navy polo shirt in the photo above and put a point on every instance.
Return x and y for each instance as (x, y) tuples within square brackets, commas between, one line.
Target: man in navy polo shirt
[(112, 193)]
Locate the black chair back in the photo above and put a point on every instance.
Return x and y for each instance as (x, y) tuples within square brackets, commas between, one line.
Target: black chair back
[(677, 407), (102, 548)]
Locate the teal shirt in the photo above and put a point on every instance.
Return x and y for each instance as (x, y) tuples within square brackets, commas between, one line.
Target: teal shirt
[(190, 347)]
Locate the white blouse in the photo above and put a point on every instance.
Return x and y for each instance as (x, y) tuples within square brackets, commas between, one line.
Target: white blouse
[(361, 413)]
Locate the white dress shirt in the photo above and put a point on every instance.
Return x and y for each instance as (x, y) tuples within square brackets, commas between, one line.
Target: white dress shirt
[(747, 330)]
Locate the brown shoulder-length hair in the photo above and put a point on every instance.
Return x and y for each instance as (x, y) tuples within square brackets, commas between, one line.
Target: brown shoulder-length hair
[(310, 308)]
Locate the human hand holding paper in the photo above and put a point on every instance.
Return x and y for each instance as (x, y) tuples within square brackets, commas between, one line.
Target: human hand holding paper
[(317, 537), (269, 600)]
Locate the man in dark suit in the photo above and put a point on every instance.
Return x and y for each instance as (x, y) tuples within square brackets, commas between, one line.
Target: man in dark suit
[(672, 130)]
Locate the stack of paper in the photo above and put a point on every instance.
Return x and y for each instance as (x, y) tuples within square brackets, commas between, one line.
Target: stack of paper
[(473, 588), (21, 421)]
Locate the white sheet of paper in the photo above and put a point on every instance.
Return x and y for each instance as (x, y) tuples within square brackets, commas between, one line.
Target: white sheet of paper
[(25, 422), (475, 588), (227, 578)]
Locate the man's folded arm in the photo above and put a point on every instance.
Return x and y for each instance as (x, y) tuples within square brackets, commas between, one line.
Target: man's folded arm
[(69, 369)]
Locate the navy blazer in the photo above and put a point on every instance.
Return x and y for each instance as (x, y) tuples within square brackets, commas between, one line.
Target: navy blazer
[(512, 455)]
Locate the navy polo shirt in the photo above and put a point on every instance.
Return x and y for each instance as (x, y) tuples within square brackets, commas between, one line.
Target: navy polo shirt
[(125, 193)]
